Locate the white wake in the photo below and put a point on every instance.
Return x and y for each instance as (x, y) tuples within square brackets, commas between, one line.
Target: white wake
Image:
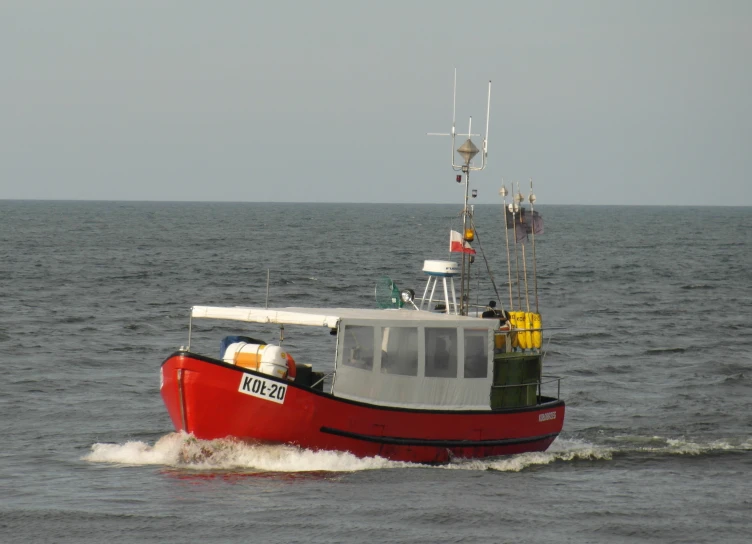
[(180, 450)]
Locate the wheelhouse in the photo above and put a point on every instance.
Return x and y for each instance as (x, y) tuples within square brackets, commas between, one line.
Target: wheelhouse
[(416, 363), (398, 358)]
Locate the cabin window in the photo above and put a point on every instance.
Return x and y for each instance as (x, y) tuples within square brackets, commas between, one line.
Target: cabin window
[(357, 347), (441, 353), (399, 350), (476, 353)]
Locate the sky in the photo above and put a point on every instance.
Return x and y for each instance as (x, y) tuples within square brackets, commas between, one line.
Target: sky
[(599, 102)]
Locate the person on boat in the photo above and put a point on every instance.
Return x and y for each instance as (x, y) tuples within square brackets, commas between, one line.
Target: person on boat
[(504, 320), (494, 313), (503, 316), (491, 311)]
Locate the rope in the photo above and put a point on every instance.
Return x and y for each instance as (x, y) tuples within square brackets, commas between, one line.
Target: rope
[(488, 267)]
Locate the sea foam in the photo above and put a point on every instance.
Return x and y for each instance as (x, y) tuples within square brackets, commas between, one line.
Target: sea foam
[(180, 450), (183, 451)]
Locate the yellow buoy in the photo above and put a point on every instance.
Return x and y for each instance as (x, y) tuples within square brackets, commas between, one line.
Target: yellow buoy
[(537, 336), (513, 335), (519, 323), (528, 320)]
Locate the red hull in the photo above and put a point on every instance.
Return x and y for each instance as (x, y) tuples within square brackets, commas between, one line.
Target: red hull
[(202, 398)]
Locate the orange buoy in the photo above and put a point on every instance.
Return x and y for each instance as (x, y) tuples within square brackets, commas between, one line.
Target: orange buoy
[(291, 368)]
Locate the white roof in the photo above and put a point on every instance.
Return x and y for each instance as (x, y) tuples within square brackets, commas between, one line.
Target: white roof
[(329, 317)]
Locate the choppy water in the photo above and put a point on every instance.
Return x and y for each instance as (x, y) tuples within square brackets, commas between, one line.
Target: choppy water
[(652, 308)]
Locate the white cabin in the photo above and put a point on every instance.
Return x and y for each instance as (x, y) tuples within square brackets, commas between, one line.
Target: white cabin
[(400, 358)]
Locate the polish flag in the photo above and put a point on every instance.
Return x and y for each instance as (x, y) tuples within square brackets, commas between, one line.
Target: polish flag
[(458, 245)]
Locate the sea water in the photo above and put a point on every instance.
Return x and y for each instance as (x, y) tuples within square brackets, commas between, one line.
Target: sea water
[(649, 310)]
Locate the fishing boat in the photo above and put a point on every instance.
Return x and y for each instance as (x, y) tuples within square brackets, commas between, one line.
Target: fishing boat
[(422, 379)]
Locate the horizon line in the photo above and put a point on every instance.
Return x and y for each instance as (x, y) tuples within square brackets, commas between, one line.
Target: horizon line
[(538, 204)]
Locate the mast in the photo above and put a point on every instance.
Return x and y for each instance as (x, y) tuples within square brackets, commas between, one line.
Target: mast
[(468, 150)]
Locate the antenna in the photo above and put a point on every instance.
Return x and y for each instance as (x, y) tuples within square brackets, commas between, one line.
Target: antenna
[(483, 158), (453, 134), (488, 121), (454, 112)]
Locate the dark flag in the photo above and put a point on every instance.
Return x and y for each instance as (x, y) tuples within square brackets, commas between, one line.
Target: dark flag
[(537, 224), (525, 223)]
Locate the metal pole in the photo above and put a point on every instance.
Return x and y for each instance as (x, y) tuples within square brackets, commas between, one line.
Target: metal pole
[(524, 269), (463, 292), (267, 288), (531, 198), (454, 112), (488, 121), (454, 295), (516, 258), (190, 329), (470, 259), (506, 239), (462, 266)]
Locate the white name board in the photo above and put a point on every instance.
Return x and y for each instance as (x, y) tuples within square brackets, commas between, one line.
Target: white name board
[(263, 388)]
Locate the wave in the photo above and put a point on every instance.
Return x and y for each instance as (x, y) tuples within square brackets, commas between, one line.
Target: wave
[(659, 351), (735, 379), (183, 451), (76, 319), (563, 449), (678, 446)]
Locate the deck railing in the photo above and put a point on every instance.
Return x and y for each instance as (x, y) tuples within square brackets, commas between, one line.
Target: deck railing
[(539, 385)]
